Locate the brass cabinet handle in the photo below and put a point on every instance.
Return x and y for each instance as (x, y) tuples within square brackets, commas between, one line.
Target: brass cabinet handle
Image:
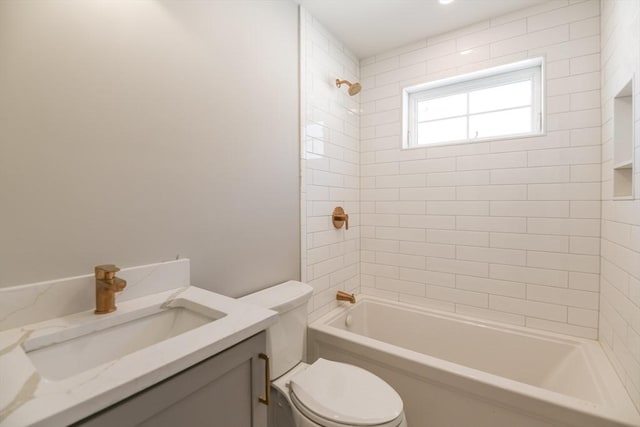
[(267, 380)]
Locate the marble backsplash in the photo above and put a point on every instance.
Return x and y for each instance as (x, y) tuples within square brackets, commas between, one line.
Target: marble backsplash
[(24, 304)]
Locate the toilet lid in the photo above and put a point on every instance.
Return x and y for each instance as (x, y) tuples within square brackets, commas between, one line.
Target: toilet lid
[(346, 394)]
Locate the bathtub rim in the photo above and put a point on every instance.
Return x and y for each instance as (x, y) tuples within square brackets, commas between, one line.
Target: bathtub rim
[(616, 406)]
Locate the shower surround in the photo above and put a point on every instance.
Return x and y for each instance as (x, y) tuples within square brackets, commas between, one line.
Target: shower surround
[(506, 230), (329, 166), (521, 231)]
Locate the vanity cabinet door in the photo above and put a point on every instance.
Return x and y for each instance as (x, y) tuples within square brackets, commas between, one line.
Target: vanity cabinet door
[(221, 391)]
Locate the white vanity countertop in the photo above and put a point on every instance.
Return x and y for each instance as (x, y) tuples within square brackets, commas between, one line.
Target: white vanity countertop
[(29, 399)]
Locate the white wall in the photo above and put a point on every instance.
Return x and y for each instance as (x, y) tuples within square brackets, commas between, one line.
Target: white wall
[(330, 157), (620, 279), (135, 131), (505, 230)]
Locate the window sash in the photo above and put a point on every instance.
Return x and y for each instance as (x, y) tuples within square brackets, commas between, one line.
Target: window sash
[(464, 85)]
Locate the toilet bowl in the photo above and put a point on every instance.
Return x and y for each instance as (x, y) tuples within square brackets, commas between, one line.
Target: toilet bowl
[(333, 394), (324, 393)]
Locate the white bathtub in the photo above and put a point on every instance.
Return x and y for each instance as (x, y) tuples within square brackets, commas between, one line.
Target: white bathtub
[(454, 371)]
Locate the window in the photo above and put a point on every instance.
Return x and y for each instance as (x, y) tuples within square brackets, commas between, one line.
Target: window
[(500, 102)]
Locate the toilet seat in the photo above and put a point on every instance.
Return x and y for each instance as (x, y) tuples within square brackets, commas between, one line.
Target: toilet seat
[(337, 394)]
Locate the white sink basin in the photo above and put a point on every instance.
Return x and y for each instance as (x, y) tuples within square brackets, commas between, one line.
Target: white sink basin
[(66, 353)]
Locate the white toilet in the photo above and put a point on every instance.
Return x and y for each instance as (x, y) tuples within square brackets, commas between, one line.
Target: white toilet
[(325, 393)]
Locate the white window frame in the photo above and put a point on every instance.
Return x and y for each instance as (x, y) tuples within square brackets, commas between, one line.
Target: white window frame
[(530, 69)]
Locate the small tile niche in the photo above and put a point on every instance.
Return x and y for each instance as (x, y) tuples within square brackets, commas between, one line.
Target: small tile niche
[(623, 143)]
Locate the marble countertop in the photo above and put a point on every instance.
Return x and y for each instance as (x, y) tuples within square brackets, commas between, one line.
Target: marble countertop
[(28, 398)]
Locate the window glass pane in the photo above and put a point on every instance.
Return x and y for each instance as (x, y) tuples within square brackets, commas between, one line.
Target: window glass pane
[(500, 123), (500, 97), (438, 108), (442, 130)]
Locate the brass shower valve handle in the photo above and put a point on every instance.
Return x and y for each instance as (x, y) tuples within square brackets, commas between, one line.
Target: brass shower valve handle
[(339, 218)]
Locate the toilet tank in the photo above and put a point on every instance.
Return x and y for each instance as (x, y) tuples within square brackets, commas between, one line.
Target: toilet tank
[(286, 338)]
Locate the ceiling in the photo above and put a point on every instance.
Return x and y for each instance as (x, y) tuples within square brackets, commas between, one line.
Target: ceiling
[(369, 27)]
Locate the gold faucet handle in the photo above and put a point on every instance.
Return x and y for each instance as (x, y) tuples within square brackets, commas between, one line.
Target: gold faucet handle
[(106, 271)]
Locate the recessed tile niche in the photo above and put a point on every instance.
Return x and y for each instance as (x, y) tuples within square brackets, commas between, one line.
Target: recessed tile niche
[(623, 143)]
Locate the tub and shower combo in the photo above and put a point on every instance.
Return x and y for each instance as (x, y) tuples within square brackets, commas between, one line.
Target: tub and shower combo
[(454, 371)]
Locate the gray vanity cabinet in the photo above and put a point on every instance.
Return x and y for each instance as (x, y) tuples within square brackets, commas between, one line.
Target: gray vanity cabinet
[(222, 391)]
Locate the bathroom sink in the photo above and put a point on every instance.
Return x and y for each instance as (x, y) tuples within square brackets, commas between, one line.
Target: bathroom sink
[(76, 349), (58, 370)]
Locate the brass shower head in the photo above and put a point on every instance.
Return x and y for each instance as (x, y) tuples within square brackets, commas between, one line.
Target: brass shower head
[(354, 88)]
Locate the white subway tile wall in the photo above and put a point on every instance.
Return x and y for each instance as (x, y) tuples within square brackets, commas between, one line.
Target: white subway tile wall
[(522, 231), (506, 230), (620, 245), (329, 166)]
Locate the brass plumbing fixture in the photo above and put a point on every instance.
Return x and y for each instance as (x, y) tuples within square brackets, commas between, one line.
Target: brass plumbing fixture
[(343, 296), (339, 218), (267, 380), (107, 284), (354, 88)]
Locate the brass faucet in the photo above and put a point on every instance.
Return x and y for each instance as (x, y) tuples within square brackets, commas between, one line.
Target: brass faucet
[(343, 296), (107, 284)]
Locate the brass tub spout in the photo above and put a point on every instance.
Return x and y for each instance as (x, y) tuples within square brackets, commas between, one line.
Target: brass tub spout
[(343, 296)]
